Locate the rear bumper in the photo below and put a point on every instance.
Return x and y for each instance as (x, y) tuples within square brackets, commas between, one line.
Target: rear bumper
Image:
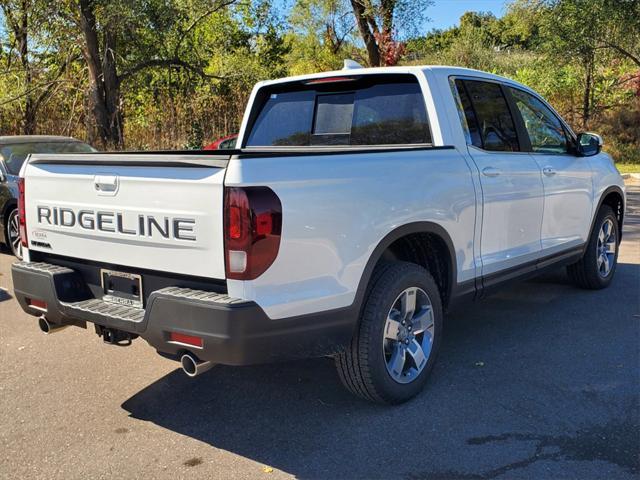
[(233, 331)]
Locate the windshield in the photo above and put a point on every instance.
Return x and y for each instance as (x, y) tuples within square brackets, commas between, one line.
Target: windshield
[(14, 154)]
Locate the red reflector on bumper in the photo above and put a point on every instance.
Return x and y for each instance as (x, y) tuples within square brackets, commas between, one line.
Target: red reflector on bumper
[(187, 339), (37, 303)]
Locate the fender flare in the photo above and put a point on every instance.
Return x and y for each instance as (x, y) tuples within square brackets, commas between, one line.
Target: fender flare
[(607, 191), (390, 238)]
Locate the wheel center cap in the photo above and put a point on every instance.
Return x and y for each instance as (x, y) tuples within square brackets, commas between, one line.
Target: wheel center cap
[(403, 333)]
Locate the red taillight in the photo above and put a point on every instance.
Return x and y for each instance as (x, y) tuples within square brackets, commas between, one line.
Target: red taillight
[(39, 304), (235, 222), (22, 213), (253, 224), (186, 339)]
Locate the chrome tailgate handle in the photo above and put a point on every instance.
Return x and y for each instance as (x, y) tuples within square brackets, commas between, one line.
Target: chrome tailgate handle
[(106, 184)]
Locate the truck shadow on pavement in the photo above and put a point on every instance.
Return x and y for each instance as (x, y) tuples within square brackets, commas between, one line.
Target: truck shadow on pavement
[(537, 381)]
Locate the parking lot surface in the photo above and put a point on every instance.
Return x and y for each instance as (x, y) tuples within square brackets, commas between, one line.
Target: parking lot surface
[(541, 380)]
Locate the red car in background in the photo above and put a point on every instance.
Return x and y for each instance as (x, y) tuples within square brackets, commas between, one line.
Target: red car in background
[(224, 143)]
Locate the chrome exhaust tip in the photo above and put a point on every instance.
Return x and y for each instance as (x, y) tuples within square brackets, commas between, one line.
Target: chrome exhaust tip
[(47, 327), (192, 366)]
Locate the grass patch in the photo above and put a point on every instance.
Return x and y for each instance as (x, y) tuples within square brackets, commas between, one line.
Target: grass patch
[(628, 167)]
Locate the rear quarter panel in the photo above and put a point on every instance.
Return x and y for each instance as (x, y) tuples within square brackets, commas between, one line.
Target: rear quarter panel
[(336, 210)]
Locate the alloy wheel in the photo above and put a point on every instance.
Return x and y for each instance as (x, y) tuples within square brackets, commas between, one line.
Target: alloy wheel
[(606, 247), (13, 230), (408, 335)]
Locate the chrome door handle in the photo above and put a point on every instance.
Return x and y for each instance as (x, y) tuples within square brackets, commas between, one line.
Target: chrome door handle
[(548, 171), (490, 172)]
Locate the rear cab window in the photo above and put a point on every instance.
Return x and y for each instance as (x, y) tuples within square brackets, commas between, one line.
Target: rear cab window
[(386, 109)]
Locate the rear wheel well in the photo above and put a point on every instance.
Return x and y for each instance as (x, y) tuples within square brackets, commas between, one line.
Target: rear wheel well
[(614, 200), (429, 251)]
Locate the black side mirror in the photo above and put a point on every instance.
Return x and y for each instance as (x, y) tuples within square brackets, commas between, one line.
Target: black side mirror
[(589, 144)]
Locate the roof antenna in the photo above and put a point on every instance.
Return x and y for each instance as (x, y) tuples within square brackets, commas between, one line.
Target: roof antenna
[(351, 64)]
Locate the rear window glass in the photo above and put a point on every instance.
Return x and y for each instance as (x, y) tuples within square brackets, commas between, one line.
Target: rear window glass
[(15, 154), (285, 119), (387, 110), (334, 114)]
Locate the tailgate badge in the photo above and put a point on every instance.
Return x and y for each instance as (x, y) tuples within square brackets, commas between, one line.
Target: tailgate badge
[(106, 184)]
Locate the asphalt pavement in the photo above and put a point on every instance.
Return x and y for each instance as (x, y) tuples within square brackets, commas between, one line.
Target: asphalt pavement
[(541, 380)]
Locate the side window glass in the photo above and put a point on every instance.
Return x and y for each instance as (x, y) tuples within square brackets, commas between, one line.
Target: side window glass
[(545, 130), (495, 124), (467, 115)]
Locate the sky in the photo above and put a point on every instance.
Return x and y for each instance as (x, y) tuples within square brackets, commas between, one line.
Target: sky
[(442, 14), (447, 13)]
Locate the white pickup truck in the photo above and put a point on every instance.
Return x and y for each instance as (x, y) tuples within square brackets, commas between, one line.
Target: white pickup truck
[(358, 206)]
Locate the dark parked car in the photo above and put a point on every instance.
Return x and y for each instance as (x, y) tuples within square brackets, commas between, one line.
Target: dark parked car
[(13, 152)]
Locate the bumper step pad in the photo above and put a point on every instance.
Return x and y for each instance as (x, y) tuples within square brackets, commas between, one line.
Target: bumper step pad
[(109, 310), (199, 295)]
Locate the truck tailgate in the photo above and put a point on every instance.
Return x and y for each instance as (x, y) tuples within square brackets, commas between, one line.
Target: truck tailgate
[(143, 211)]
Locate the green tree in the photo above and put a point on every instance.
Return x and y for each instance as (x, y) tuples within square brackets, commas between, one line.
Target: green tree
[(321, 35), (120, 39), (378, 21), (520, 26), (36, 62), (622, 29), (591, 33)]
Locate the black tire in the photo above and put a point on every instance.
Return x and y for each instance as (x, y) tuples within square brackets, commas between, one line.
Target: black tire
[(585, 273), (15, 250), (362, 367)]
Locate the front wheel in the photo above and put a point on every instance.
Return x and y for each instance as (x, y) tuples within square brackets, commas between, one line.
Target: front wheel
[(13, 234), (596, 268), (398, 337)]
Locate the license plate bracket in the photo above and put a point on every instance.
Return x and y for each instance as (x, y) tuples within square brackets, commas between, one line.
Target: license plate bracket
[(122, 288)]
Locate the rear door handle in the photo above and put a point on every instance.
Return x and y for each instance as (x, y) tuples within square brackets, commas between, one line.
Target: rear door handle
[(549, 171), (490, 172)]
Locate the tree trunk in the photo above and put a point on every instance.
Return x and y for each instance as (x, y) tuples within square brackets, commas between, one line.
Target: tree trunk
[(586, 99), (104, 94), (112, 88), (29, 116), (388, 6), (373, 51), (18, 22)]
